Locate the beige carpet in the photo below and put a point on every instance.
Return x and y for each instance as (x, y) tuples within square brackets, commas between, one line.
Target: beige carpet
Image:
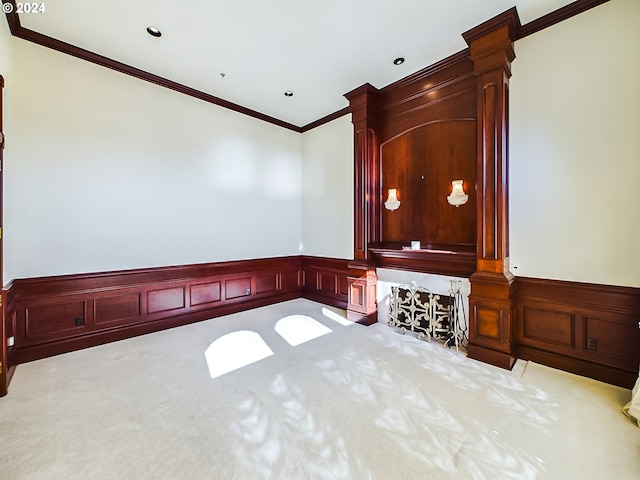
[(356, 403)]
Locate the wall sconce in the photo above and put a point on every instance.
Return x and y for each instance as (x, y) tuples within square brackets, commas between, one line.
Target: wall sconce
[(457, 197), (392, 202)]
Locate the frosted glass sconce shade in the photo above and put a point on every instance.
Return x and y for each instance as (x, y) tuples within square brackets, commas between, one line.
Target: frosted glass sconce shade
[(457, 197), (392, 202)]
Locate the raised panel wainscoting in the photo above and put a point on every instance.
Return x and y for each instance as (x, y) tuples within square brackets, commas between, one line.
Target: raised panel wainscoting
[(325, 280), (52, 315), (588, 329)]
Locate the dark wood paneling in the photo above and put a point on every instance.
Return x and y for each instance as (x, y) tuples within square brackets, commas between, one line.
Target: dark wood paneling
[(54, 319), (421, 163), (357, 294), (587, 329), (448, 94), (237, 287), (291, 280), (325, 280), (111, 306), (135, 302), (165, 299), (328, 283), (548, 326), (266, 283), (488, 322), (611, 338), (204, 293), (116, 308)]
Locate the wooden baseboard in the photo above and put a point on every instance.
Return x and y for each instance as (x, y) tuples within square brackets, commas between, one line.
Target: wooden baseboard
[(492, 357), (603, 373), (362, 318)]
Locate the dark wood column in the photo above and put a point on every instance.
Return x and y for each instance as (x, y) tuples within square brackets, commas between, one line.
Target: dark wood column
[(492, 285), (4, 353), (362, 278)]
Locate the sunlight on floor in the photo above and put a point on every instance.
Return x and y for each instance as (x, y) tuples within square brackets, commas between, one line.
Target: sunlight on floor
[(297, 329), (235, 350), (238, 349), (336, 317)]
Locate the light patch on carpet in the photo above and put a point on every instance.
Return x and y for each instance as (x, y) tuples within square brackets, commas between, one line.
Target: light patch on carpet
[(235, 350), (297, 329), (336, 317)]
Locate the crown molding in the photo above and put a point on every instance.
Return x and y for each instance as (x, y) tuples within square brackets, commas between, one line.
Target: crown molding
[(510, 18), (326, 119), (32, 36), (557, 16)]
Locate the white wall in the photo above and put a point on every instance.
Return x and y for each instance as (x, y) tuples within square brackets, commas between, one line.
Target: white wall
[(575, 149), (106, 172), (327, 190), (103, 171)]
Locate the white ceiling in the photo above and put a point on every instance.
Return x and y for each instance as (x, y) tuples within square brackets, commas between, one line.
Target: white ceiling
[(319, 49)]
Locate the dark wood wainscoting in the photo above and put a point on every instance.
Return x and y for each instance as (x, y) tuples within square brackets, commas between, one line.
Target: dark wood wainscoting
[(588, 329), (52, 315), (325, 280)]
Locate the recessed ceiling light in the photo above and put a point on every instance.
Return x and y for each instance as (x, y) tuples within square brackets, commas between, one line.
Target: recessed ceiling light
[(288, 93), (154, 32), (398, 61)]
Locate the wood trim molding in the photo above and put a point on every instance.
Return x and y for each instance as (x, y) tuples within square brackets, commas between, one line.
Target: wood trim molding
[(443, 262), (443, 64), (13, 19), (610, 298), (5, 373), (326, 119), (557, 16)]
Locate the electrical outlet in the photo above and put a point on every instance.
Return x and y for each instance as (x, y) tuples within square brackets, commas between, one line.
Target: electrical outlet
[(592, 344), (11, 341), (247, 291), (79, 321)]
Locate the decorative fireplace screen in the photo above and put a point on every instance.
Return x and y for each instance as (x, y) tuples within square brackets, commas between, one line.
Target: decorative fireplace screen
[(430, 315)]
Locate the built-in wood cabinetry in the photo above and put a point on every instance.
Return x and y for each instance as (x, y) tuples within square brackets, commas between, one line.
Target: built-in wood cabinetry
[(450, 122)]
